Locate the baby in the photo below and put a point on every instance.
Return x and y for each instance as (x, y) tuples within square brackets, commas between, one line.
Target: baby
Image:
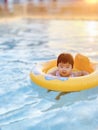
[(65, 64)]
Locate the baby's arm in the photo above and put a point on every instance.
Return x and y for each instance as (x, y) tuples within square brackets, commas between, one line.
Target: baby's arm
[(80, 73), (53, 73), (84, 73)]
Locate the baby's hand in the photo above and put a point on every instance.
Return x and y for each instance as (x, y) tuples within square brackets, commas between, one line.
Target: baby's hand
[(85, 73)]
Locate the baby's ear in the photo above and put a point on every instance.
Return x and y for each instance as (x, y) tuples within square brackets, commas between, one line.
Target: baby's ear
[(82, 62)]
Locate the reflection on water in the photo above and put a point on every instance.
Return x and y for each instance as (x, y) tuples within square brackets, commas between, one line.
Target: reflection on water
[(27, 106), (91, 28)]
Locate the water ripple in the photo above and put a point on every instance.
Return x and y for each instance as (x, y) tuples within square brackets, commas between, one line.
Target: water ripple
[(25, 105)]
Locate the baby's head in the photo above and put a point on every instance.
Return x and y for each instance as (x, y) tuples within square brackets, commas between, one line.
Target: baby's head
[(65, 63)]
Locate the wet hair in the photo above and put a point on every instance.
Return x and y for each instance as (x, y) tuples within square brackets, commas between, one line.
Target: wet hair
[(65, 58)]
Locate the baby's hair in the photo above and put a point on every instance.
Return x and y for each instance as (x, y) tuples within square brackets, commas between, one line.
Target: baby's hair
[(65, 58)]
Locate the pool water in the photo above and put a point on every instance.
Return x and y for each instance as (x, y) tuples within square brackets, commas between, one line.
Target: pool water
[(26, 106)]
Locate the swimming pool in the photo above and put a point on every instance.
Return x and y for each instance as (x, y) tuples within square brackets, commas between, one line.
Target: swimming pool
[(24, 105)]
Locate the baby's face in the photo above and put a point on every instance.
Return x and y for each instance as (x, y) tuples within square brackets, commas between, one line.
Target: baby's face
[(65, 69)]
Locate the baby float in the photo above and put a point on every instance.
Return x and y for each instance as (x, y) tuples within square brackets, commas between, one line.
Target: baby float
[(40, 75)]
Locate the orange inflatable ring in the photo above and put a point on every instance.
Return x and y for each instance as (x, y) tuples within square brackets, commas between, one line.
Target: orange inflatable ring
[(40, 76)]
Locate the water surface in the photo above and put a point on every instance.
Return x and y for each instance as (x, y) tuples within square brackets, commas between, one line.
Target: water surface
[(26, 106)]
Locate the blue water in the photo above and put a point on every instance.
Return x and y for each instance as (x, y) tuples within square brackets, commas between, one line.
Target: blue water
[(26, 106)]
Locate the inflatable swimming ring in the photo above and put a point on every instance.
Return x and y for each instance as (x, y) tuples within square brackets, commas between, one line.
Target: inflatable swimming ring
[(40, 76)]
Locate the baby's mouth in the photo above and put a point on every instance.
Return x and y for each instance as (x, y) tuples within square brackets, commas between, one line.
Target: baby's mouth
[(64, 72)]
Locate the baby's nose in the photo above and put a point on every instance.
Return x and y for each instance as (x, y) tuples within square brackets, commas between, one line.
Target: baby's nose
[(64, 70)]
